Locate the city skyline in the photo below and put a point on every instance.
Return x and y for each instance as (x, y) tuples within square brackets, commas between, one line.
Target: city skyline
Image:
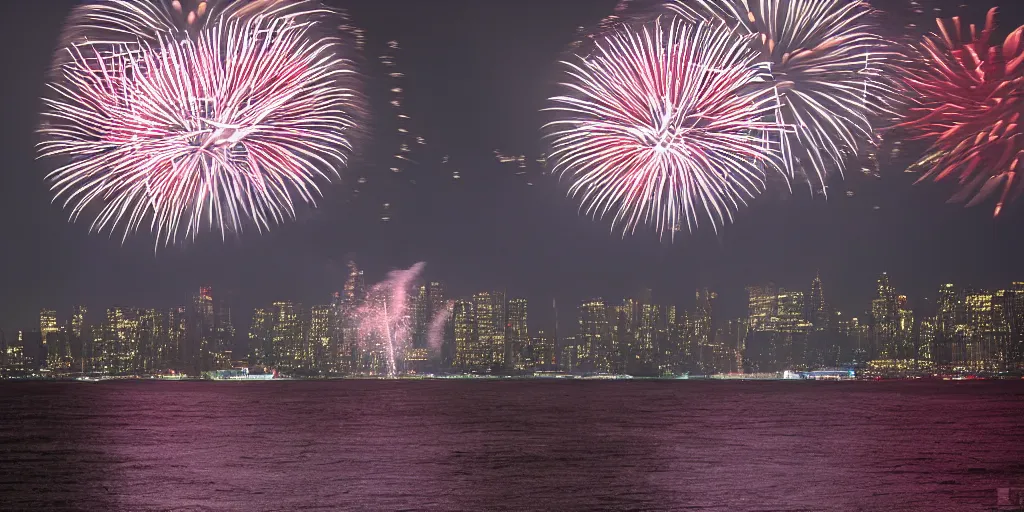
[(733, 301), (491, 332), (489, 229)]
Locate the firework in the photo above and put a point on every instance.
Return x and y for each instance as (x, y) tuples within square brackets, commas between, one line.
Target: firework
[(970, 97), (384, 323), (833, 72), (665, 126), (435, 333), (198, 118)]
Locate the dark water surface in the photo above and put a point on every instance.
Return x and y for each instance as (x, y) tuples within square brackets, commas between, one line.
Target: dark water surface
[(464, 445)]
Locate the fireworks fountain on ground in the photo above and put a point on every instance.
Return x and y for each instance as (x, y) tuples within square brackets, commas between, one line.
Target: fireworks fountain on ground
[(385, 320), (435, 333)]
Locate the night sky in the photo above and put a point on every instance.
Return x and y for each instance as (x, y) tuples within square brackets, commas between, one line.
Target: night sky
[(478, 73)]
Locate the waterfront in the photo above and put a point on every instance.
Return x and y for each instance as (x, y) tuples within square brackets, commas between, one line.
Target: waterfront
[(507, 445)]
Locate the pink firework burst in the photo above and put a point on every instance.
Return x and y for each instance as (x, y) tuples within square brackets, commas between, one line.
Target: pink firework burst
[(666, 125), (970, 97), (834, 73), (204, 118)]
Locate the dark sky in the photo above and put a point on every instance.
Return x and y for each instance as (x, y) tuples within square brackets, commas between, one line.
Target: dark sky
[(477, 75)]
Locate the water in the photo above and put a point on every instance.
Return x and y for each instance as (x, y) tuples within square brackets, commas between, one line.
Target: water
[(537, 445)]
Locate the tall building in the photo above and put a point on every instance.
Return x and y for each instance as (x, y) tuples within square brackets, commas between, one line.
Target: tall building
[(58, 350), (595, 351), (736, 332), (541, 354), (224, 335), (702, 333), (469, 355), (905, 346), (261, 338), (517, 336), (24, 354), (427, 303), (984, 333), (885, 317), (117, 350), (645, 325), (78, 320), (949, 305), (1013, 314), (817, 310), (47, 329), (177, 330), (354, 285), (200, 338), (777, 330), (762, 307), (342, 352), (152, 340), (570, 353), (926, 340), (287, 342), (322, 338), (490, 327), (77, 334), (793, 329)]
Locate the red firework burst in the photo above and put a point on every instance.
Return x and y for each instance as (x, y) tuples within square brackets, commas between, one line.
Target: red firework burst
[(969, 97)]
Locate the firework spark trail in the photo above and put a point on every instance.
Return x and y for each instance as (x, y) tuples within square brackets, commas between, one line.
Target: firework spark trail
[(435, 333), (227, 115), (834, 73), (384, 315), (666, 125), (970, 98)]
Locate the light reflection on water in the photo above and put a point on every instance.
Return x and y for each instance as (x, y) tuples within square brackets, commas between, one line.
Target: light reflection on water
[(464, 445)]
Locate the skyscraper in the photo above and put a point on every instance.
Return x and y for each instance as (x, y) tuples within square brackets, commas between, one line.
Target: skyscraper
[(885, 317), (117, 351), (904, 330), (490, 327), (261, 338), (948, 303), (48, 328), (777, 333), (926, 340), (199, 339), (984, 333), (541, 352), (427, 303), (817, 309), (322, 341), (517, 336), (288, 346), (78, 320), (1013, 310), (762, 307), (152, 340), (354, 285), (468, 353), (646, 327), (224, 335), (177, 330), (594, 340), (793, 329), (702, 331)]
